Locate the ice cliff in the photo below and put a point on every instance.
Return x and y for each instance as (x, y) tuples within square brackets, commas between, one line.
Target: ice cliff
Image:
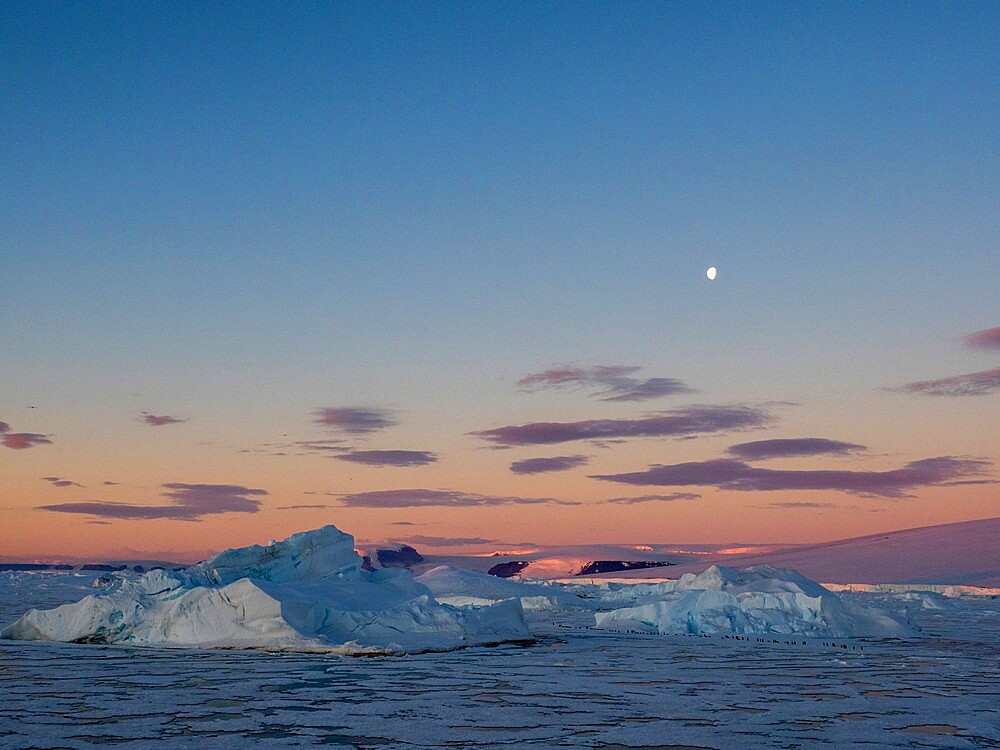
[(758, 600), (306, 592)]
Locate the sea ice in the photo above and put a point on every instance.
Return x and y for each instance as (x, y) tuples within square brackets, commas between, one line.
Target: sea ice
[(758, 600), (306, 592)]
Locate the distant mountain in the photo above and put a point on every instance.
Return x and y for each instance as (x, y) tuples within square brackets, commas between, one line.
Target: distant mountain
[(966, 553)]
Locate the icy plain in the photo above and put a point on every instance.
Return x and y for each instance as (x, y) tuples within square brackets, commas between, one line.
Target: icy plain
[(762, 657), (576, 687)]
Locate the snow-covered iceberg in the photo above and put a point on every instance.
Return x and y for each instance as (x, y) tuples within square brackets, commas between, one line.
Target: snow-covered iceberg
[(760, 600), (461, 587), (306, 592)]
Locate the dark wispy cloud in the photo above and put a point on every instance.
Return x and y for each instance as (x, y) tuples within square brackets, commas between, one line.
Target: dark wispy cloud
[(686, 421), (389, 458), (410, 498), (970, 384), (300, 507), (20, 440), (154, 420), (405, 523), (790, 447), (108, 483), (654, 498), (188, 502), (962, 482), (793, 505), (730, 474), (543, 465), (967, 384), (447, 541), (988, 339), (354, 420), (606, 382), (60, 482), (321, 446)]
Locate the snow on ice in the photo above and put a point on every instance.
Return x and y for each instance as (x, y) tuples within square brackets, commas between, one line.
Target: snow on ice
[(306, 592), (758, 600), (310, 592)]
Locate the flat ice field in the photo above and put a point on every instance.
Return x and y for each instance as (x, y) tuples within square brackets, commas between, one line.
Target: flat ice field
[(575, 686)]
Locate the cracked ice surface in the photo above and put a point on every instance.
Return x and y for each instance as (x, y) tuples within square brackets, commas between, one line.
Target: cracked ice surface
[(577, 687)]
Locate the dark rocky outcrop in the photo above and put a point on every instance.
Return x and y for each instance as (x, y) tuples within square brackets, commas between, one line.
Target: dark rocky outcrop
[(508, 569), (615, 566), (403, 557)]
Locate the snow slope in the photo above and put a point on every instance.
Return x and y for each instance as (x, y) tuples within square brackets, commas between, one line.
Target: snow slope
[(964, 553), (760, 600), (306, 592), (563, 561)]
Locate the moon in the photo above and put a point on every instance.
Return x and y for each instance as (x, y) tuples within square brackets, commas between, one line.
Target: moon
[(711, 273)]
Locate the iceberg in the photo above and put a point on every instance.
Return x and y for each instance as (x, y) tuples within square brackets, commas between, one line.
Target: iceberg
[(461, 587), (308, 592), (758, 600)]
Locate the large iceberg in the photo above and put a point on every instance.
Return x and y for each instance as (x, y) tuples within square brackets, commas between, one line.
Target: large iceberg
[(307, 592), (758, 600)]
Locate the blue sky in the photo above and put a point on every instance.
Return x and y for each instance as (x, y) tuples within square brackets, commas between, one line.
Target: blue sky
[(245, 211)]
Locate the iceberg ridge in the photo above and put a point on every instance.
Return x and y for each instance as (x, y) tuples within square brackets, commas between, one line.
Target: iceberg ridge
[(306, 592), (757, 600)]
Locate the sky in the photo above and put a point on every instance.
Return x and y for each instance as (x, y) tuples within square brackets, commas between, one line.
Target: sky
[(437, 272)]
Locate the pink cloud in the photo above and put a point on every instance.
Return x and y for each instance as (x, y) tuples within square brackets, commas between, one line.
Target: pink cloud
[(354, 420), (22, 440), (608, 382), (672, 497), (543, 465), (188, 502), (446, 541), (388, 458), (730, 474), (687, 421), (790, 447), (409, 498), (60, 482), (154, 421), (971, 384)]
